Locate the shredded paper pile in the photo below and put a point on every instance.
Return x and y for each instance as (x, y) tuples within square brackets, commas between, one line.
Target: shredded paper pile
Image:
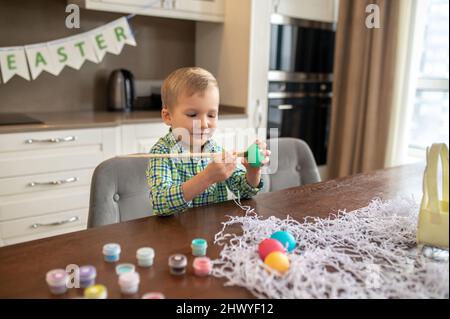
[(367, 253)]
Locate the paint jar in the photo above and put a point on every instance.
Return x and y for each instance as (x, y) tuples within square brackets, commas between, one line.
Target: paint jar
[(145, 256), (129, 283), (177, 264), (124, 268), (57, 281), (96, 292), (199, 246), (111, 252), (202, 266), (87, 276), (153, 295)]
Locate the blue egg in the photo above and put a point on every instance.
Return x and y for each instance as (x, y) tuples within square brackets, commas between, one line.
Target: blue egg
[(285, 238)]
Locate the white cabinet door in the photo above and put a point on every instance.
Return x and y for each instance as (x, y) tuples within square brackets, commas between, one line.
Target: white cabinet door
[(198, 10), (213, 7), (319, 10), (139, 138)]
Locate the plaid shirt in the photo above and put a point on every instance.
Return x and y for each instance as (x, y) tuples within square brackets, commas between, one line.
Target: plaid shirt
[(166, 175)]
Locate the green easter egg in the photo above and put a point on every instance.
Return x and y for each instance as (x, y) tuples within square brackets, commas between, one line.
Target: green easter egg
[(254, 156)]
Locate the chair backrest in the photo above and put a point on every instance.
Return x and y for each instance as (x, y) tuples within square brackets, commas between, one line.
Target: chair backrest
[(119, 191), (296, 165)]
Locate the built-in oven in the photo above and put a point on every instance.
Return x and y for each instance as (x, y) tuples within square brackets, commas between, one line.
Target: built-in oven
[(300, 81), (302, 110), (301, 46)]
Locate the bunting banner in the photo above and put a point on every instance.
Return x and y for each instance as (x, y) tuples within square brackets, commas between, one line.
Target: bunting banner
[(30, 61)]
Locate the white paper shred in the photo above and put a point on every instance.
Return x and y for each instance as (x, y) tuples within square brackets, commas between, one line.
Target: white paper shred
[(367, 253)]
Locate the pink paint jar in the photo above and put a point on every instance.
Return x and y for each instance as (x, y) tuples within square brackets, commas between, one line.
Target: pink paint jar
[(129, 283), (202, 266), (153, 295), (57, 281)]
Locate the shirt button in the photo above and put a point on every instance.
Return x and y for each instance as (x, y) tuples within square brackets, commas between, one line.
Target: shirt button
[(116, 197)]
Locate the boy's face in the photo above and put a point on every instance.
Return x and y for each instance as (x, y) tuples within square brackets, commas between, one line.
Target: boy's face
[(197, 114)]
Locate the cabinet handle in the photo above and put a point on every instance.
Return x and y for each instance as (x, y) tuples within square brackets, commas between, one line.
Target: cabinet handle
[(56, 182), (52, 140), (62, 222), (285, 107), (276, 4)]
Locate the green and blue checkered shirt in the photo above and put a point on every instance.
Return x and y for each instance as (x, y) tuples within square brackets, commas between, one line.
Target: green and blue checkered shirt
[(166, 175)]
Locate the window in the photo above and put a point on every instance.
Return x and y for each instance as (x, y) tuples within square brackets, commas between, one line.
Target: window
[(430, 105)]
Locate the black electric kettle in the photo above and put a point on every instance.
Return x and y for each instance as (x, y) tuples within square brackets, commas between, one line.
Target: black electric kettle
[(121, 92)]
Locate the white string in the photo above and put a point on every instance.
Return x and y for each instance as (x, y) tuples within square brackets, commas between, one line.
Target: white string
[(151, 4), (368, 253)]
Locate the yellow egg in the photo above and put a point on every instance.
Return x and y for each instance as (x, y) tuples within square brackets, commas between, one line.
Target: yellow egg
[(277, 261)]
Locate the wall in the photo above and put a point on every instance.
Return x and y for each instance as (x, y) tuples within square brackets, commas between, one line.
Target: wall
[(163, 45)]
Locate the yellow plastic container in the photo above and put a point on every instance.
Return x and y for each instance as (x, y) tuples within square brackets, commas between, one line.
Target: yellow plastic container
[(432, 227)]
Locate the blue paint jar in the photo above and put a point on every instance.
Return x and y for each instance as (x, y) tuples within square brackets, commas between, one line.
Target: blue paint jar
[(124, 268), (199, 246), (87, 276), (111, 252)]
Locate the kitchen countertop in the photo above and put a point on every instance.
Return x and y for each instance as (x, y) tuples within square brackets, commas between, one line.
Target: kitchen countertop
[(96, 119)]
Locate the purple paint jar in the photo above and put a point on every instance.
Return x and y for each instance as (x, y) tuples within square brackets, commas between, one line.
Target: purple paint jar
[(87, 276), (57, 281)]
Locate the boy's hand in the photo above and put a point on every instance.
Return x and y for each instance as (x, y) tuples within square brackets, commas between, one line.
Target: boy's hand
[(221, 168), (254, 173)]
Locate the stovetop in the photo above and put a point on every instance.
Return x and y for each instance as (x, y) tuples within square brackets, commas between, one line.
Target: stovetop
[(17, 119)]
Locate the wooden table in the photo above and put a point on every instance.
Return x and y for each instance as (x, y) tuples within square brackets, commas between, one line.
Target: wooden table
[(23, 266)]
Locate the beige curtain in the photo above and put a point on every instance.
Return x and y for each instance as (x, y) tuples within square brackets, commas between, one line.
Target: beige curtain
[(363, 94)]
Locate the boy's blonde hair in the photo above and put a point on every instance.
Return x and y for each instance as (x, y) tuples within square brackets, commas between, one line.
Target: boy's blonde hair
[(185, 81)]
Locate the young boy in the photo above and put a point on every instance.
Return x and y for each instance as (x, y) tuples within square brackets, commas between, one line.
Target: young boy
[(190, 99)]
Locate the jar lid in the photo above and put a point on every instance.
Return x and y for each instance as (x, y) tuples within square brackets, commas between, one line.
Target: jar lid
[(111, 249), (87, 272), (153, 295), (95, 292), (129, 279), (145, 253), (56, 277), (125, 268), (199, 243), (177, 261)]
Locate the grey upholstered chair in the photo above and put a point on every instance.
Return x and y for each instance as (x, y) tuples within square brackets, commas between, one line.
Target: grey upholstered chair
[(119, 191), (296, 165)]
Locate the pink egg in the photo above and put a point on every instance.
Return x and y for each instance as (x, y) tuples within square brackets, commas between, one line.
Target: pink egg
[(269, 245)]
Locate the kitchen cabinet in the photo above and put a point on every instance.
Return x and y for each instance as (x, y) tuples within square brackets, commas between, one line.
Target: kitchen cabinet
[(237, 53), (197, 10), (319, 10), (45, 176), (45, 180)]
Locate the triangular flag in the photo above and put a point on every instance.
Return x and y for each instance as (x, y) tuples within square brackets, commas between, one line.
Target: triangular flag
[(59, 55), (122, 33), (83, 49), (12, 62), (39, 59)]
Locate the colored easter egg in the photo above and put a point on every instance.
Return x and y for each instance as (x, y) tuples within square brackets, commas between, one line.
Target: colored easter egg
[(277, 261), (269, 245), (254, 156), (285, 238)]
